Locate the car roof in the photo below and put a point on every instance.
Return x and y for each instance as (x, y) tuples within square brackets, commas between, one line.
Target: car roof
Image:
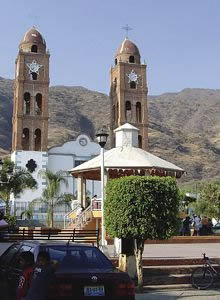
[(53, 243)]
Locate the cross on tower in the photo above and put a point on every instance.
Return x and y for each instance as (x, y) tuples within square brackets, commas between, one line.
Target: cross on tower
[(126, 28)]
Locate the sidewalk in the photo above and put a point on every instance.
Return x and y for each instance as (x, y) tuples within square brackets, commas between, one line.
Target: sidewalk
[(189, 250), (180, 294)]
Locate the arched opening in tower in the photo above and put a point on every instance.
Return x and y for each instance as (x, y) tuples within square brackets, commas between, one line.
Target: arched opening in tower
[(38, 104), (117, 112), (133, 85), (113, 113), (27, 103), (131, 59), (34, 48), (33, 76), (138, 112), (37, 140), (128, 111), (139, 141), (25, 139), (116, 61)]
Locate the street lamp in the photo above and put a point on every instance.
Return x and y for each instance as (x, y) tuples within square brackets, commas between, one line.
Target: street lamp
[(102, 137)]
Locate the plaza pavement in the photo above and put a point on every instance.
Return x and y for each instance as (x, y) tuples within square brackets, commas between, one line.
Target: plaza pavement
[(180, 294)]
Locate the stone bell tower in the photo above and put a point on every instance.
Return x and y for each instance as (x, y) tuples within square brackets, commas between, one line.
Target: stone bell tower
[(128, 92), (30, 113), (30, 110)]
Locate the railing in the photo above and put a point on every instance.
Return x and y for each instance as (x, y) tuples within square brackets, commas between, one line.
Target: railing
[(85, 216), (73, 235)]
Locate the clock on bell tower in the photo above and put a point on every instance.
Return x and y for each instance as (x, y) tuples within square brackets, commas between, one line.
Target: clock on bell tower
[(128, 92)]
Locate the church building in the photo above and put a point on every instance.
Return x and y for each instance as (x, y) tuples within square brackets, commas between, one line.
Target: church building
[(30, 128)]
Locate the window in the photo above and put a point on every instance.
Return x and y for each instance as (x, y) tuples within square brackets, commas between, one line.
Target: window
[(140, 141), (33, 76), (37, 140), (9, 254), (138, 112), (116, 61), (78, 257), (79, 162), (25, 139), (128, 111), (133, 85), (27, 103), (34, 48), (131, 59), (38, 104), (113, 113)]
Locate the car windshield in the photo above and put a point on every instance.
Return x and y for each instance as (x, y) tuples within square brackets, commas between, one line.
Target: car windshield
[(77, 257)]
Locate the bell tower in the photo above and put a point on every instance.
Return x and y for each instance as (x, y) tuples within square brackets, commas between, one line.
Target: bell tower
[(30, 110), (128, 92), (30, 113)]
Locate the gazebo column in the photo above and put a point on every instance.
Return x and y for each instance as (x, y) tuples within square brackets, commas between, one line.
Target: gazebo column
[(80, 189), (84, 202)]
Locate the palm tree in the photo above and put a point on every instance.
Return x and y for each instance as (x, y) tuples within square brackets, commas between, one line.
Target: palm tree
[(51, 195), (28, 213), (15, 181)]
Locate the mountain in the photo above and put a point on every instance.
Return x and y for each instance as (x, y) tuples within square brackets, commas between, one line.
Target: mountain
[(184, 127)]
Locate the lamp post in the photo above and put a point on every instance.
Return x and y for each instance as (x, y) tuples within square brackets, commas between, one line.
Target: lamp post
[(102, 137)]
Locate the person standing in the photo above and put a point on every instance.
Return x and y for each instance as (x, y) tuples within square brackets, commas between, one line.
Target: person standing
[(186, 226), (26, 260), (42, 276), (197, 225)]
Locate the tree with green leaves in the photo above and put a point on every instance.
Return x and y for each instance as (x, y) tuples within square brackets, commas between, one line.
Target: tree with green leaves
[(140, 208), (51, 196), (208, 203), (14, 181)]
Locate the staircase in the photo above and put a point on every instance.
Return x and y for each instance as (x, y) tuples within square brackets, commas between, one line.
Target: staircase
[(172, 272), (85, 220)]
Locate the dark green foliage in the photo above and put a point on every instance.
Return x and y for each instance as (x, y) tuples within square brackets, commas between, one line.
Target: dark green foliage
[(15, 180), (141, 207)]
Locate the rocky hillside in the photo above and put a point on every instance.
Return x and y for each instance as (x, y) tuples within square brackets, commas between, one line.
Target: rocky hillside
[(184, 127)]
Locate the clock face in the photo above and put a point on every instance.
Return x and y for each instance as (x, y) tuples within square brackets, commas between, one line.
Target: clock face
[(83, 142), (132, 76), (34, 67)]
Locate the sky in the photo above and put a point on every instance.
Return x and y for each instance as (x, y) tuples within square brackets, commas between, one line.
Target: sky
[(178, 39)]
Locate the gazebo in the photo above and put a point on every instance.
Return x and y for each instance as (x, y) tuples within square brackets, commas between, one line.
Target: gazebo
[(123, 160)]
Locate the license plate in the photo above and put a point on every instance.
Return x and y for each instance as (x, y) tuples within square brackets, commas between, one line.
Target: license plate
[(94, 291)]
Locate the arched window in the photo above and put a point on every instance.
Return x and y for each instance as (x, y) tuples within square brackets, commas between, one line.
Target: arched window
[(38, 104), (138, 112), (34, 48), (33, 76), (27, 103), (140, 141), (128, 111), (115, 83), (131, 59), (37, 140), (25, 139), (132, 84), (116, 61), (117, 112), (113, 113)]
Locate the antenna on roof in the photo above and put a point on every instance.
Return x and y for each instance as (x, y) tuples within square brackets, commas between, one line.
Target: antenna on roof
[(126, 28)]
